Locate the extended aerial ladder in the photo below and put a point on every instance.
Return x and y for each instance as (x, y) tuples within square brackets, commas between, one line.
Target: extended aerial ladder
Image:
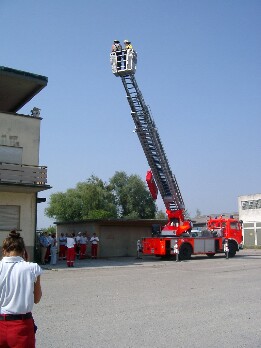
[(176, 234), (160, 176)]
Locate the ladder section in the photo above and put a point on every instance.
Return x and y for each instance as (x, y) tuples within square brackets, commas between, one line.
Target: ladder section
[(152, 146)]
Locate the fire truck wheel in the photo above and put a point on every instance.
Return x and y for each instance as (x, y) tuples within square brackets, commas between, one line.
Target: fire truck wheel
[(185, 252), (232, 249), (210, 255)]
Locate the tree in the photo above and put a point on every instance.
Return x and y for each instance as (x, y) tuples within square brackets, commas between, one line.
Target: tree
[(160, 215), (97, 199), (117, 185), (64, 206), (50, 230), (132, 197), (125, 197), (89, 200)]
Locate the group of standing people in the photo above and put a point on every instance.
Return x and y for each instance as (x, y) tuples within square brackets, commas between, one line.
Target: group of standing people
[(77, 246), (48, 245), (121, 53), (70, 247)]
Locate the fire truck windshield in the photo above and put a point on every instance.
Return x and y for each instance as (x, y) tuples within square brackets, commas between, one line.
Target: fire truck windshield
[(234, 225)]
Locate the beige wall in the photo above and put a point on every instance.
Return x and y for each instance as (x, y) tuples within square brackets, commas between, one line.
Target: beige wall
[(116, 240), (27, 130), (27, 203), (121, 240), (88, 228)]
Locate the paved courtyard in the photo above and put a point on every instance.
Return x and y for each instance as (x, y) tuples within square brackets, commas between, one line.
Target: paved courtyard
[(125, 302)]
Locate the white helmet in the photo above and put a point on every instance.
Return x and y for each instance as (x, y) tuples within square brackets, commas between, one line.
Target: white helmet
[(126, 41)]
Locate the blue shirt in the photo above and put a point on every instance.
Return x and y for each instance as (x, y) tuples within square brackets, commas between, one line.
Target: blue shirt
[(44, 241)]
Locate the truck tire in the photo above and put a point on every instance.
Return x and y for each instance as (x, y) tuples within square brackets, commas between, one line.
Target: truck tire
[(232, 249), (185, 252)]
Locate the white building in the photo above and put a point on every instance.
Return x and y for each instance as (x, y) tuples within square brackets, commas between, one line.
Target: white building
[(21, 177), (249, 208)]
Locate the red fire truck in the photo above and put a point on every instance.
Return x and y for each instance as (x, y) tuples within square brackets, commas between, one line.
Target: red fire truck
[(222, 234)]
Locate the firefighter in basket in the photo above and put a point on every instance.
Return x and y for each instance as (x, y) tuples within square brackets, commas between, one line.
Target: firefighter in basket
[(117, 48), (128, 46)]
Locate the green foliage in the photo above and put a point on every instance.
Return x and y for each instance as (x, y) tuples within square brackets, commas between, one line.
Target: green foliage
[(125, 197), (132, 197), (97, 199), (65, 206), (161, 215), (50, 230)]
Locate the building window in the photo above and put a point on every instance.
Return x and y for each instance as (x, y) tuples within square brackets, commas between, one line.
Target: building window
[(234, 226), (248, 225), (9, 217), (253, 204), (10, 154)]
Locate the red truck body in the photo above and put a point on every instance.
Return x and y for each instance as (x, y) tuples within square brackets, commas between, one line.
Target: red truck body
[(219, 232)]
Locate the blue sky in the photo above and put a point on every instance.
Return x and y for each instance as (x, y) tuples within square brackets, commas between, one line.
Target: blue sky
[(198, 69)]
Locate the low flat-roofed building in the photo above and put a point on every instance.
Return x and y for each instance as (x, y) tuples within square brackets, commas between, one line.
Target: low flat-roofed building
[(118, 237)]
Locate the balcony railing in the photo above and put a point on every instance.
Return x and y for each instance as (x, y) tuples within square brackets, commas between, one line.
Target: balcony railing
[(22, 174)]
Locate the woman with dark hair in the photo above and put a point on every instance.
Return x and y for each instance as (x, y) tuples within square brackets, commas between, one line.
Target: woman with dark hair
[(20, 288)]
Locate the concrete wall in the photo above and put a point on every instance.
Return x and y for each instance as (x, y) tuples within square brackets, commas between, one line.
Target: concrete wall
[(121, 240), (249, 207), (24, 132), (116, 239), (86, 227), (27, 203)]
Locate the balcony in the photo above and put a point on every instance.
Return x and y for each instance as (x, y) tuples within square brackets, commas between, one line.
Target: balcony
[(23, 178)]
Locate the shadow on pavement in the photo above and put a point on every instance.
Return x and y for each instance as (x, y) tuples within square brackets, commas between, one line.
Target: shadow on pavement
[(133, 261)]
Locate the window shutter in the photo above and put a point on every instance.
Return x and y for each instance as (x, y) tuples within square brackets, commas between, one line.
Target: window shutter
[(9, 217)]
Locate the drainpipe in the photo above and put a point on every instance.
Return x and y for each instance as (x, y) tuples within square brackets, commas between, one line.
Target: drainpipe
[(35, 227)]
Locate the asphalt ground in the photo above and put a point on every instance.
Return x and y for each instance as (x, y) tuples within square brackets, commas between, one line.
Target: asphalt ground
[(149, 302)]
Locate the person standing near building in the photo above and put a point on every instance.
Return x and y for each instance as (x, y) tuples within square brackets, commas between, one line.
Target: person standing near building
[(70, 243), (44, 245), (83, 246), (20, 288), (48, 251), (117, 48), (77, 245), (53, 250), (62, 247), (94, 242)]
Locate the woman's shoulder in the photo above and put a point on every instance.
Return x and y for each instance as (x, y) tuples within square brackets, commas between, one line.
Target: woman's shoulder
[(35, 268)]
